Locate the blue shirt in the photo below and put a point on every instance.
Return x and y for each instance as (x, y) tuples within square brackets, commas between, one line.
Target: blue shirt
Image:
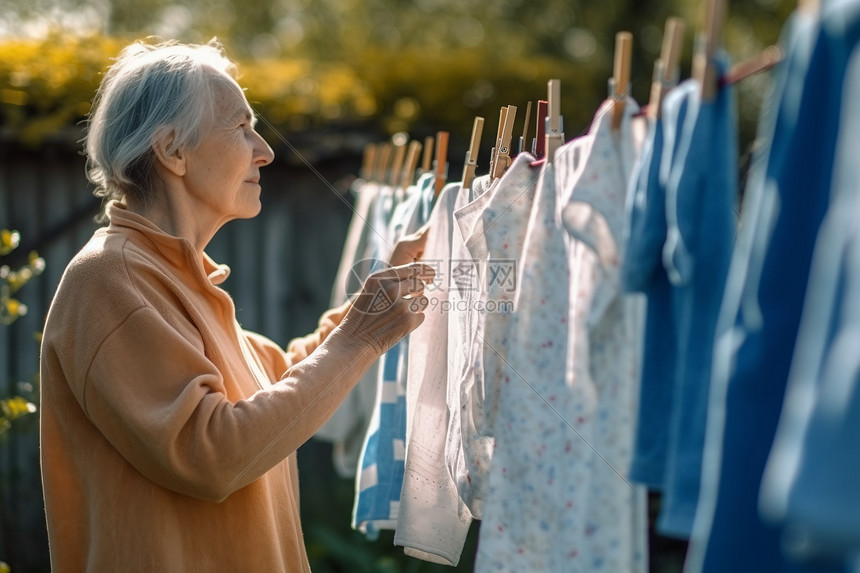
[(642, 271), (810, 483), (700, 197), (758, 334)]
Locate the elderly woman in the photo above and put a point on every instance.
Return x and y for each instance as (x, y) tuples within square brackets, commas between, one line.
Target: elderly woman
[(168, 432)]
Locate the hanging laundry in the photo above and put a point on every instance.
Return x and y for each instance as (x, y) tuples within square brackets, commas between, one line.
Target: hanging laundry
[(642, 271), (380, 478), (465, 454), (700, 196), (432, 521), (759, 318), (815, 455), (817, 430), (530, 508), (497, 223), (540, 390), (605, 338), (537, 515), (367, 477)]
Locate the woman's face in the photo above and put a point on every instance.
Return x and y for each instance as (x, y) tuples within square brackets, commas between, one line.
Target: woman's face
[(223, 172)]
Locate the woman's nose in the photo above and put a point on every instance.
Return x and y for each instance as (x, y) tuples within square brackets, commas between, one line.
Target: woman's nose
[(263, 154)]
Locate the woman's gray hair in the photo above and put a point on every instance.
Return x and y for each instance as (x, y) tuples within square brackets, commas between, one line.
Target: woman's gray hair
[(151, 91)]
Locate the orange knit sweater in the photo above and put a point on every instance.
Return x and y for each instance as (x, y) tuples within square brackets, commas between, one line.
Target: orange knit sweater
[(169, 433)]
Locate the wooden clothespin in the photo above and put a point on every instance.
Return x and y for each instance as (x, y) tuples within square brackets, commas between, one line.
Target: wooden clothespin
[(621, 75), (666, 69), (524, 136), (539, 147), (472, 153), (810, 6), (383, 158), (704, 70), (503, 149), (503, 113), (441, 161), (427, 160), (411, 164), (554, 120), (395, 174), (367, 161)]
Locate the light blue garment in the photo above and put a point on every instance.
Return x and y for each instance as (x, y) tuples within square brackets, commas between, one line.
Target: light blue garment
[(380, 477), (758, 321), (700, 198)]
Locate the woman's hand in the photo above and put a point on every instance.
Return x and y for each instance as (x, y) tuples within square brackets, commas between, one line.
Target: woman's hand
[(409, 248), (390, 306)]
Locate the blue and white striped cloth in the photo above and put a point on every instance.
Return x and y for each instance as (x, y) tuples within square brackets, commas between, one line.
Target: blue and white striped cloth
[(381, 464)]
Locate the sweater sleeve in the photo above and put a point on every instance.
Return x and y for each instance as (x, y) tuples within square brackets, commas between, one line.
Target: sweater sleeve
[(172, 419), (300, 348), (276, 360)]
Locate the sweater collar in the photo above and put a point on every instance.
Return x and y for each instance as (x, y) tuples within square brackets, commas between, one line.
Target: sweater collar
[(177, 250)]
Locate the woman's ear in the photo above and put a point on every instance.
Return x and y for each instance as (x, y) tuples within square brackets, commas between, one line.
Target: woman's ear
[(171, 158)]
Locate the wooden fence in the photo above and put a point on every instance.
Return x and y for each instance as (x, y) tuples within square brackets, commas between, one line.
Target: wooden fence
[(283, 263)]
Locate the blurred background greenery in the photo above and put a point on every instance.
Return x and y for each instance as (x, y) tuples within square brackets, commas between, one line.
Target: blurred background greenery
[(389, 65), (324, 73)]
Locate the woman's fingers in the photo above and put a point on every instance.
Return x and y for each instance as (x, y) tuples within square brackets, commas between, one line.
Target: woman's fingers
[(409, 248), (418, 304), (385, 288), (406, 271)]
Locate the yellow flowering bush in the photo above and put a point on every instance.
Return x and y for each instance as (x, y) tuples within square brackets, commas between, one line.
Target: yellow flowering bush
[(46, 87), (11, 281), (9, 241)]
